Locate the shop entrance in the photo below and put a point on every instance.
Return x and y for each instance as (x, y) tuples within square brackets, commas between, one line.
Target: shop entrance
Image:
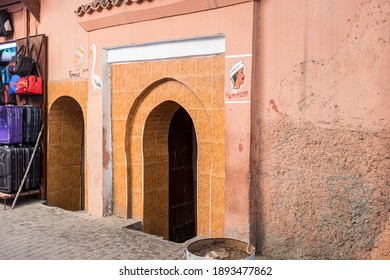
[(182, 177)]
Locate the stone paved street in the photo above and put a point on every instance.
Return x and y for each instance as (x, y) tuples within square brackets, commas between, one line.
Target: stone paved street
[(34, 231)]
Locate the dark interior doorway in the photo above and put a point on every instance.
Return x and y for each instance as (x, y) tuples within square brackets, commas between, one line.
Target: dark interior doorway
[(182, 177)]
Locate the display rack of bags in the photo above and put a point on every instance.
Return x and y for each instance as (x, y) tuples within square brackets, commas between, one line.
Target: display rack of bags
[(19, 125)]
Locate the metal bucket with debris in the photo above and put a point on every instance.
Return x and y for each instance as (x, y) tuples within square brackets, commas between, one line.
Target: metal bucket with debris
[(220, 249)]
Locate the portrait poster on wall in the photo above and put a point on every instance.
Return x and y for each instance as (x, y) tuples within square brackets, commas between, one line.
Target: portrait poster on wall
[(238, 78)]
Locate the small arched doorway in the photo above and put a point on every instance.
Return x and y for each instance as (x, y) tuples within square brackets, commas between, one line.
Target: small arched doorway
[(65, 182), (169, 173), (182, 146)]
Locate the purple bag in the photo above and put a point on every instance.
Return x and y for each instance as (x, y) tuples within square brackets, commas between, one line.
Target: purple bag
[(11, 124), (7, 55)]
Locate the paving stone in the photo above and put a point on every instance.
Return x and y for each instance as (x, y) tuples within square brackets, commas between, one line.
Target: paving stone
[(37, 231)]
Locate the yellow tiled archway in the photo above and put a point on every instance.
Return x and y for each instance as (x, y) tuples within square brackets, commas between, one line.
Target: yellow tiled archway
[(196, 84), (65, 180), (143, 197)]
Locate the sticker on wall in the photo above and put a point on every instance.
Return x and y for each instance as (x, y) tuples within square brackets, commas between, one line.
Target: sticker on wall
[(95, 79), (237, 87), (78, 64)]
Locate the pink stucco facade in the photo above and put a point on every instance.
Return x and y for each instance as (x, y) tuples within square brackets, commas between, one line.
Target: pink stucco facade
[(322, 129), (306, 138)]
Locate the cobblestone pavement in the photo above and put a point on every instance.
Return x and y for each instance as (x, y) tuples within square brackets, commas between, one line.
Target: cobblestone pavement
[(33, 231)]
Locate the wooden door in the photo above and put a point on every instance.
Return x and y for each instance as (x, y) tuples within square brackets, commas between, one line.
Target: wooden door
[(182, 174)]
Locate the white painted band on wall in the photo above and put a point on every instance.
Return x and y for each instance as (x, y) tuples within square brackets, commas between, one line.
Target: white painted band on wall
[(168, 49), (238, 102), (238, 55), (7, 45)]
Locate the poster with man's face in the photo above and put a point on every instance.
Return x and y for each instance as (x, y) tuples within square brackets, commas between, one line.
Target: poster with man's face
[(237, 75), (238, 71)]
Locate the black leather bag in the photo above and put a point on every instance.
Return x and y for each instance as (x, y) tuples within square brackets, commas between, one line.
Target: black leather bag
[(5, 23), (6, 98), (22, 63)]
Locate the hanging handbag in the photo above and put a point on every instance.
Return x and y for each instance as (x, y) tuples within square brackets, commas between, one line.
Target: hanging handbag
[(5, 75), (22, 63), (13, 83), (5, 23), (31, 85), (6, 98), (7, 55), (2, 84)]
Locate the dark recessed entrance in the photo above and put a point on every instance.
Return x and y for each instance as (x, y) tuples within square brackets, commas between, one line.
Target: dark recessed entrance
[(182, 177)]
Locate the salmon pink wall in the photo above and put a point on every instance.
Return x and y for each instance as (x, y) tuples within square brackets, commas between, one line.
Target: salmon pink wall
[(323, 129)]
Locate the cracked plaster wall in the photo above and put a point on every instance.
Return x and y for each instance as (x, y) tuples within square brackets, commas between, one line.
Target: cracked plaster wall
[(323, 130)]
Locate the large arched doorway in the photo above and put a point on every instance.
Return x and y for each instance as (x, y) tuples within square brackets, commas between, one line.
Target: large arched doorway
[(146, 192), (182, 148), (65, 182)]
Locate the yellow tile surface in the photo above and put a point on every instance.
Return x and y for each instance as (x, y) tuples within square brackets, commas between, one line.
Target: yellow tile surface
[(218, 100), (204, 66), (200, 89), (54, 178), (149, 177), (137, 207), (136, 179), (162, 226), (217, 221), (204, 89), (135, 150), (118, 77), (132, 72), (118, 132), (205, 157), (145, 74), (158, 70), (53, 198), (219, 160), (218, 124), (203, 215), (119, 108), (188, 67), (218, 191), (203, 190), (119, 174), (173, 68), (218, 65), (162, 204), (118, 154)]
